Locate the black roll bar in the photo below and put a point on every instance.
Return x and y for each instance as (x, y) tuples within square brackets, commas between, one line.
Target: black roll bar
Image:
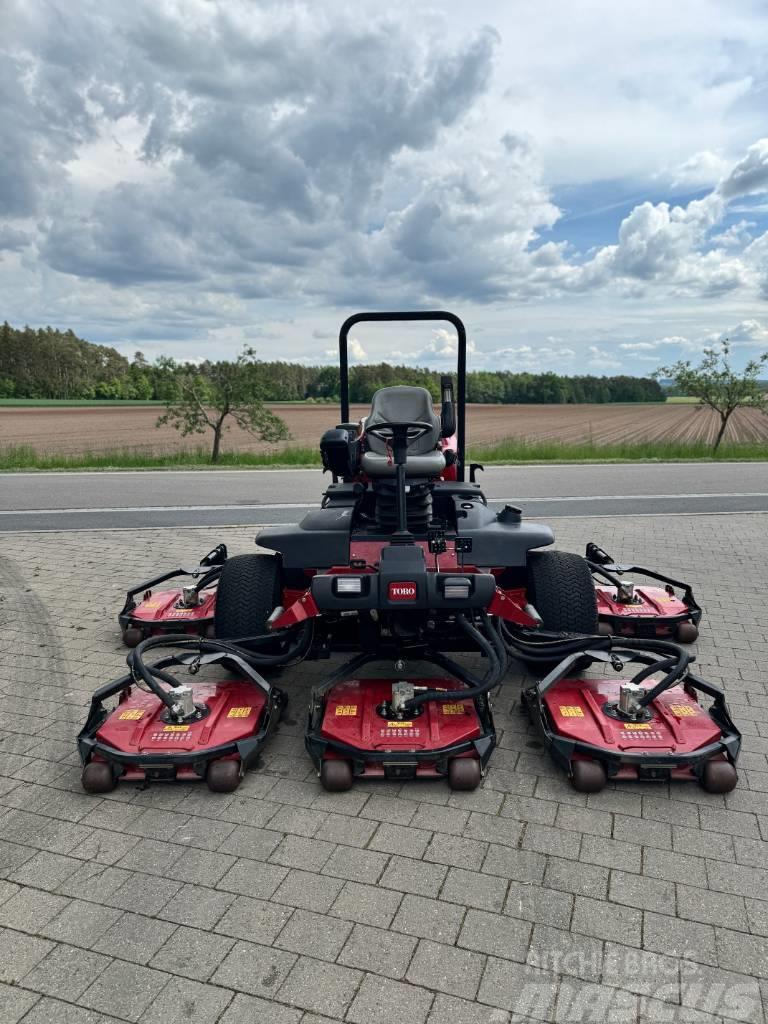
[(461, 369)]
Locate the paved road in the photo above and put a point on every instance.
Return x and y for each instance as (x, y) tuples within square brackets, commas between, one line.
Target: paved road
[(133, 500), (395, 902)]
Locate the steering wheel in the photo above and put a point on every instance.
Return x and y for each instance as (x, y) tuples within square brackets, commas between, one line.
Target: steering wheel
[(409, 430)]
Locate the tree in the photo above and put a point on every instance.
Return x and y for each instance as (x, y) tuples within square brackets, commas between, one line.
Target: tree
[(206, 396), (718, 386)]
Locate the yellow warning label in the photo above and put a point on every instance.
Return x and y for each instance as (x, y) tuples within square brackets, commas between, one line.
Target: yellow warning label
[(683, 710), (637, 725), (571, 711), (453, 709), (239, 712), (346, 710), (399, 725), (175, 728), (133, 715)]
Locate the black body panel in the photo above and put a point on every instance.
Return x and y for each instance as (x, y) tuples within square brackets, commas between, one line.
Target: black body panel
[(322, 539)]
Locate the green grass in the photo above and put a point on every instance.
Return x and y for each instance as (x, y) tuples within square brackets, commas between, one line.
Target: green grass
[(515, 450), (75, 403), (682, 400), (25, 457), (510, 452)]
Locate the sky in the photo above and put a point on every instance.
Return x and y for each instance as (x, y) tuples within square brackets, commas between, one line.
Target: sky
[(585, 184)]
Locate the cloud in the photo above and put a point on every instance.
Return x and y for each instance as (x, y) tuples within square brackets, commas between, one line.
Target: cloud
[(750, 175), (355, 351), (600, 359), (169, 168), (704, 168)]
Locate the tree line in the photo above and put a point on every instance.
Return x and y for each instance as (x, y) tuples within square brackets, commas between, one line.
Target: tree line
[(49, 363)]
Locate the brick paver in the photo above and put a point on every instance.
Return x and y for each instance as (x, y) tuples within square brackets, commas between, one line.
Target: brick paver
[(394, 902)]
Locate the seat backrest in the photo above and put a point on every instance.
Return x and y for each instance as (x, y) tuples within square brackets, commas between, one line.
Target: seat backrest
[(400, 404)]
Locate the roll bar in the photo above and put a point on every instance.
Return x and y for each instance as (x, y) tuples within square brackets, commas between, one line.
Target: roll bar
[(461, 369)]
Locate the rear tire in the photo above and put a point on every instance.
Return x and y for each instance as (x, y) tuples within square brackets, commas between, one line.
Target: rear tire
[(98, 777), (249, 589), (588, 776), (223, 776), (561, 589), (464, 773), (719, 777), (336, 776)]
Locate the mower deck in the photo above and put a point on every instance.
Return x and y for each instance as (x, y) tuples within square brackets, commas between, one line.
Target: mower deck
[(140, 740), (351, 725)]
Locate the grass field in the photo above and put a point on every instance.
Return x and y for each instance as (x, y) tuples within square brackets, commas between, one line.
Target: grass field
[(509, 452), (76, 403), (100, 436)]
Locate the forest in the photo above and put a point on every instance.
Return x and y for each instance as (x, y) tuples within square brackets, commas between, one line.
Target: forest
[(51, 364)]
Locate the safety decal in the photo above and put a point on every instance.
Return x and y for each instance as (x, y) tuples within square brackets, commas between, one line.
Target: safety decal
[(175, 728), (399, 725), (634, 726), (453, 709), (132, 715), (346, 710), (239, 712), (571, 711), (683, 710)]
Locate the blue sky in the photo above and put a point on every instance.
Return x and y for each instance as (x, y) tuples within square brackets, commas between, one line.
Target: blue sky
[(586, 184)]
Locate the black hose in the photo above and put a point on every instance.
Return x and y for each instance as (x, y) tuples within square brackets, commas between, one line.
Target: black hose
[(208, 578), (493, 676), (151, 675)]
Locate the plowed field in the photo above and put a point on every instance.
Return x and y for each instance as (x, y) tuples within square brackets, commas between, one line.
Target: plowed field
[(75, 431)]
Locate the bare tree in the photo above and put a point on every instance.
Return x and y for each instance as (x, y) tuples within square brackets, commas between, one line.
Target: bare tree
[(718, 386), (208, 395)]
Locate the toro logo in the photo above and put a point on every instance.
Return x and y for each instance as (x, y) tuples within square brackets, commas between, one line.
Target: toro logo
[(402, 591)]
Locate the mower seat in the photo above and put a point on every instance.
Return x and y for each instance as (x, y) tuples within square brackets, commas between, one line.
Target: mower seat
[(402, 404)]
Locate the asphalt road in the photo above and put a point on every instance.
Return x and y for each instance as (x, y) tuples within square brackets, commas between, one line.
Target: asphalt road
[(137, 500)]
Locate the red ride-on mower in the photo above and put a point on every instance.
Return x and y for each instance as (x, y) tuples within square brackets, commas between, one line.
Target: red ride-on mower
[(634, 729), (163, 729), (445, 516), (626, 608), (188, 609)]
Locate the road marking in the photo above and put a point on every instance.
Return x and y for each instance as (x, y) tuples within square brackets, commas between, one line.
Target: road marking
[(259, 526), (493, 468), (280, 506)]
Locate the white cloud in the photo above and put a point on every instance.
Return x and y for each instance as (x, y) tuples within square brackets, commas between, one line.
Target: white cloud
[(172, 169), (600, 359)]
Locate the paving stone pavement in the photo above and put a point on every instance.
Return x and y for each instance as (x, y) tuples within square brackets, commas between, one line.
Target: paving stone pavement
[(393, 903)]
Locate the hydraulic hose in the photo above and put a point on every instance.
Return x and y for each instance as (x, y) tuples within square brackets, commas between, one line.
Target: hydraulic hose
[(493, 676), (151, 674)]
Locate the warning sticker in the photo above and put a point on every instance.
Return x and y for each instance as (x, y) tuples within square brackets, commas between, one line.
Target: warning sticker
[(346, 710), (637, 725), (175, 728), (132, 715), (571, 711), (453, 709), (399, 725), (239, 712), (683, 710)]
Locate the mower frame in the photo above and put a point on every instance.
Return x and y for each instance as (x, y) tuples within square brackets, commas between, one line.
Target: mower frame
[(602, 565), (317, 745), (209, 568), (562, 749), (246, 749)]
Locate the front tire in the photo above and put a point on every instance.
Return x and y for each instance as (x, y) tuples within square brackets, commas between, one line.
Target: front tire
[(250, 587), (561, 589)]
